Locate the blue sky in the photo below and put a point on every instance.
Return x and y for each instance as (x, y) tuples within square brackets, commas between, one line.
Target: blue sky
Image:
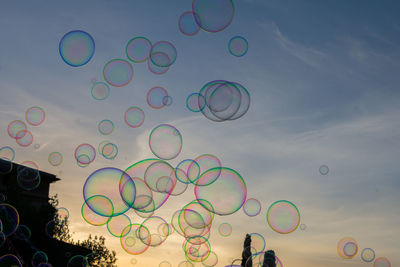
[(324, 88)]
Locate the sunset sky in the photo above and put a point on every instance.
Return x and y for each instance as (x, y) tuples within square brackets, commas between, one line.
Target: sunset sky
[(323, 77)]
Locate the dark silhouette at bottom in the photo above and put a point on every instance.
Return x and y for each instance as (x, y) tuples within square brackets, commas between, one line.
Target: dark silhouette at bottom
[(269, 256)]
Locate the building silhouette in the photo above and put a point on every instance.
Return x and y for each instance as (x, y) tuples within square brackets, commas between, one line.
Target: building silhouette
[(28, 236)]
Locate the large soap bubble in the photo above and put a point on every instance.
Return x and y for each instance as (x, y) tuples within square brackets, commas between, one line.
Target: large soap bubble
[(283, 217), (226, 194), (213, 15), (165, 141), (76, 48)]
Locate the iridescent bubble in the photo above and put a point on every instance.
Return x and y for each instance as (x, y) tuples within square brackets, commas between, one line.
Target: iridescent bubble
[(195, 219), (76, 48), (6, 166), (10, 218), (15, 128), (195, 102), (160, 177), (197, 251), (211, 260), (105, 127), (347, 248), (24, 138), (7, 153), (213, 15), (167, 100), (257, 242), (368, 254), (224, 100), (134, 117), (258, 260), (165, 141), (156, 69), (226, 194), (150, 232), (104, 207), (35, 116), (165, 264), (181, 171), (303, 227), (238, 46), (23, 232), (252, 207), (118, 72), (187, 24), (100, 91), (163, 54), (117, 224), (138, 49), (155, 97), (323, 170), (55, 158), (85, 154), (109, 150), (28, 177), (225, 229), (382, 262), (204, 162), (10, 260), (38, 258), (106, 182), (132, 242), (283, 217), (78, 261)]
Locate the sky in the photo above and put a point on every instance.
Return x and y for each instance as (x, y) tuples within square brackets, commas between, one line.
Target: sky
[(323, 81)]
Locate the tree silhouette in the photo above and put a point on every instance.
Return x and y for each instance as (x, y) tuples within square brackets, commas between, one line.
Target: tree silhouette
[(100, 256)]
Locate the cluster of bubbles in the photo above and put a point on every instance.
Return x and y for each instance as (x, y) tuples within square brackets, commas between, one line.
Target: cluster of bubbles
[(18, 130), (347, 248), (220, 100)]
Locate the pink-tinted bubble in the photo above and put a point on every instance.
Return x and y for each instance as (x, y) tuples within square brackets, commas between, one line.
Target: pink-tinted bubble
[(109, 151), (134, 117), (197, 253), (238, 46), (257, 242), (103, 206), (195, 102), (155, 97), (24, 138), (163, 54), (106, 127), (347, 248), (225, 229), (15, 127), (76, 48), (55, 158), (117, 224), (100, 91), (85, 154), (382, 262), (368, 254), (118, 72), (165, 141), (181, 171), (158, 70), (187, 24), (138, 49), (132, 242), (213, 15), (106, 182), (252, 207), (283, 217), (35, 116), (226, 194)]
